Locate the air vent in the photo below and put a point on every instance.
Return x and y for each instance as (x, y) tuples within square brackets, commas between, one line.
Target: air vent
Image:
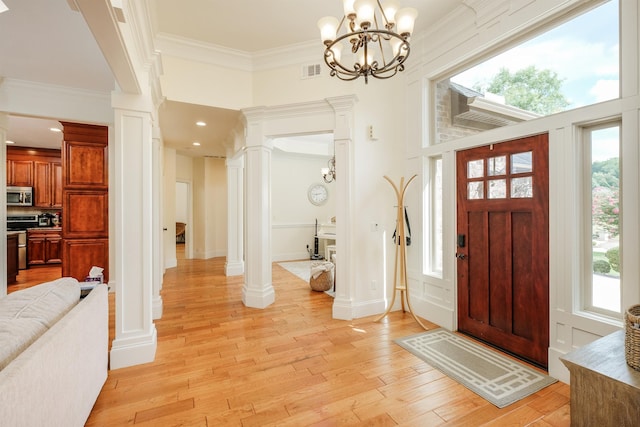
[(311, 70)]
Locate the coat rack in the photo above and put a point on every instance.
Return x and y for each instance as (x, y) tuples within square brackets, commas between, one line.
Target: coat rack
[(400, 268)]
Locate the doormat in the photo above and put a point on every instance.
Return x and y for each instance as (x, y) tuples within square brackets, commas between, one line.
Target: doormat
[(491, 375)]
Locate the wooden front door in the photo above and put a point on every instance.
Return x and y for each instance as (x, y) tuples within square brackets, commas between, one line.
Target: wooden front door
[(503, 245)]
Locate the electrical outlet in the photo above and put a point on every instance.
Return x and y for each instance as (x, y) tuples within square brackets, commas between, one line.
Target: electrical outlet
[(374, 285)]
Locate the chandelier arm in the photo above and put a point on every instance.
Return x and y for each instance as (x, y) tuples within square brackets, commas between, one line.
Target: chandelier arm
[(384, 15)]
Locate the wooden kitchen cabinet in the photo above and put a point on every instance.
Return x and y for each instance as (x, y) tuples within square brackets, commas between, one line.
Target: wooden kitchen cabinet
[(47, 186), (85, 199), (39, 168), (19, 172), (44, 246)]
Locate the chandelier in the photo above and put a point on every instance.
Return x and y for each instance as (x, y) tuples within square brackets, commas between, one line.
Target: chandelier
[(377, 37), (329, 174)]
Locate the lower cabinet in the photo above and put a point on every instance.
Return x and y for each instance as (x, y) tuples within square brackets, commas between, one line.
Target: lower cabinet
[(44, 246)]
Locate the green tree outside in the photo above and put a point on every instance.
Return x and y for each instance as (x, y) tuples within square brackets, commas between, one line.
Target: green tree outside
[(530, 89)]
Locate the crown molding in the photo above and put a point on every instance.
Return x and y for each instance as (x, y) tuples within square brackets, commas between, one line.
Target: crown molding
[(185, 48), (207, 53)]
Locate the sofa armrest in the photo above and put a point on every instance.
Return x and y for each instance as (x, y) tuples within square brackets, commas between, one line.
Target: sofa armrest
[(57, 379)]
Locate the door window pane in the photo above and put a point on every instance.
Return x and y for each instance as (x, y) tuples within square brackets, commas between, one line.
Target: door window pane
[(497, 166), (475, 190), (522, 187), (475, 169), (522, 162), (497, 189)]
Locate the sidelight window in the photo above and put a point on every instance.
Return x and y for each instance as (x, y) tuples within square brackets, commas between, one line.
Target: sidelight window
[(602, 179), (434, 249)]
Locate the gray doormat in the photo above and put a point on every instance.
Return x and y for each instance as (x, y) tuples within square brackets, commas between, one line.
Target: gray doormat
[(493, 376)]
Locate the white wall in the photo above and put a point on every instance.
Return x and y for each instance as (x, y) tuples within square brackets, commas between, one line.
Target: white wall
[(181, 202), (293, 216)]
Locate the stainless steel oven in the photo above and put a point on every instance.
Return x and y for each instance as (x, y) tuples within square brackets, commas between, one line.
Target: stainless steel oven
[(21, 223)]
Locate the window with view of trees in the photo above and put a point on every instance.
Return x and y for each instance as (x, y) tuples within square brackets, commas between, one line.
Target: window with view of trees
[(603, 164)]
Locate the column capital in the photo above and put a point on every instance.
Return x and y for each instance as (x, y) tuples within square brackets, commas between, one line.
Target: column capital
[(134, 102)]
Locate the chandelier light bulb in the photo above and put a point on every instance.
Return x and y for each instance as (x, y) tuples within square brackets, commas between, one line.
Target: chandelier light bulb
[(405, 19), (349, 10), (365, 10), (336, 53), (395, 46), (390, 8), (365, 62), (328, 28)]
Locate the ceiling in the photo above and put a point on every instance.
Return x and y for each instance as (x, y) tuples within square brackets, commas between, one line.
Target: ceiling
[(66, 54)]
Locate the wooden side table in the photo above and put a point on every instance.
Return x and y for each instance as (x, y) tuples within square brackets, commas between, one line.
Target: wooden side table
[(605, 391)]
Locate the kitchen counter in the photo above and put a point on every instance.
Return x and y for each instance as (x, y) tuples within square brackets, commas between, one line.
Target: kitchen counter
[(45, 229)]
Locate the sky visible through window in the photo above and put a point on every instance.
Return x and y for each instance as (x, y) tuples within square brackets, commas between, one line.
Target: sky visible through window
[(584, 52)]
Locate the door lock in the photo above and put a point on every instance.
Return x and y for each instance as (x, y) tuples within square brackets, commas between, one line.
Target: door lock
[(461, 256)]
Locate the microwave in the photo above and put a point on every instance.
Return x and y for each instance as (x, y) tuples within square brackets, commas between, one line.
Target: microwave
[(19, 196)]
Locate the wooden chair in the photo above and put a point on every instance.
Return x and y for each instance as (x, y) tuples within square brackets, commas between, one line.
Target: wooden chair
[(180, 229)]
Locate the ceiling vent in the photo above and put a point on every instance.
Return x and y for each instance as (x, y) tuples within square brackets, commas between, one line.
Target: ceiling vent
[(310, 71)]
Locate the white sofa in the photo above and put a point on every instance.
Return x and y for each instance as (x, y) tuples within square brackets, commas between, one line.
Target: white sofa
[(56, 379)]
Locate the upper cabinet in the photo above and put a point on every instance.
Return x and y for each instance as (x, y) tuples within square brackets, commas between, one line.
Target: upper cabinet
[(19, 172), (47, 184), (37, 168)]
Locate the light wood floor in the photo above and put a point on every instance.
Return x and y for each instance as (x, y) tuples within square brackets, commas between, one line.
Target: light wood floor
[(220, 363)]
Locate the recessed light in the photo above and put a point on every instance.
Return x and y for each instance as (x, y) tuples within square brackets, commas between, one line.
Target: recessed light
[(197, 144), (200, 123), (9, 142), (55, 130)]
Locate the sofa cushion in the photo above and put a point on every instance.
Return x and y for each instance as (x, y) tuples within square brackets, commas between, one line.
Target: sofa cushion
[(46, 302), (28, 313), (15, 336)]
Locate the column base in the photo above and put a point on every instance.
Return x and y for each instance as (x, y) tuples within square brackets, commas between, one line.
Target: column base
[(234, 268), (258, 298), (133, 351), (342, 308)]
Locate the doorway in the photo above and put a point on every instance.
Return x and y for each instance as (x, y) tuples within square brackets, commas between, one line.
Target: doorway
[(183, 220), (503, 246)]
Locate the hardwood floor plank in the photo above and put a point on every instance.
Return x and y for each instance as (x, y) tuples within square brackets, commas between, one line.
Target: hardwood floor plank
[(220, 363), (165, 410)]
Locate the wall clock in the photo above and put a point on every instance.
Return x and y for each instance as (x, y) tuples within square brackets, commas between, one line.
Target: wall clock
[(318, 194)]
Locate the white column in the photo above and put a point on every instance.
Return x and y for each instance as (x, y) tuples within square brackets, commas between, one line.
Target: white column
[(343, 303), (4, 126), (131, 190), (235, 213), (157, 234), (258, 290)]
